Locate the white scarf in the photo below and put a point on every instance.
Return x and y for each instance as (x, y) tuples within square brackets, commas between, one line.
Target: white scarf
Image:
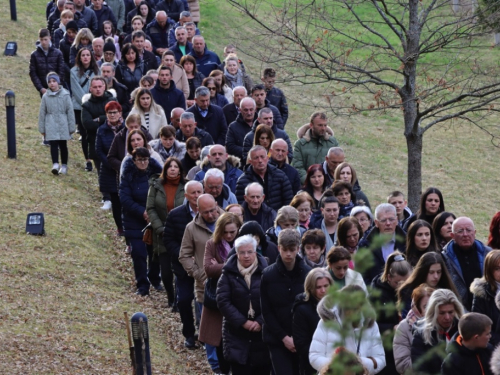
[(247, 275)]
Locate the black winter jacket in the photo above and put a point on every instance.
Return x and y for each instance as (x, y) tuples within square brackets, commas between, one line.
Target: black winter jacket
[(134, 186), (235, 136), (175, 225), (277, 188), (305, 321), (168, 98), (159, 36), (93, 109), (128, 77), (267, 218), (487, 302), (278, 133), (463, 361), (214, 122), (123, 97), (233, 299), (231, 113), (107, 175), (291, 173), (278, 290), (41, 65), (202, 135), (277, 98), (173, 8), (178, 53), (105, 14)]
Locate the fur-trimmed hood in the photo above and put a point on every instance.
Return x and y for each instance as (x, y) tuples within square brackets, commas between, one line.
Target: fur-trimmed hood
[(305, 132), (86, 97), (495, 361), (327, 314), (481, 288)]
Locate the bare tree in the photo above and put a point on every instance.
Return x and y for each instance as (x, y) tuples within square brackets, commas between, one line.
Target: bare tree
[(417, 57)]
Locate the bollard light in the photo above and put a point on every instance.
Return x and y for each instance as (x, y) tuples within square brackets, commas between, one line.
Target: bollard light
[(13, 10), (10, 104)]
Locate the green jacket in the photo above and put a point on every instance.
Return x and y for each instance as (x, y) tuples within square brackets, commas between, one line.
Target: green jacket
[(156, 206), (308, 150)]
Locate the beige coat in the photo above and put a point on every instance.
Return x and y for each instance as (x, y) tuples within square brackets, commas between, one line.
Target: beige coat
[(180, 79), (192, 252), (157, 119), (211, 320), (401, 347)]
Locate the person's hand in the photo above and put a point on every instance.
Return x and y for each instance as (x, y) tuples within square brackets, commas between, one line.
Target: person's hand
[(213, 261), (256, 327), (190, 103), (145, 216), (288, 341), (248, 325), (43, 91)]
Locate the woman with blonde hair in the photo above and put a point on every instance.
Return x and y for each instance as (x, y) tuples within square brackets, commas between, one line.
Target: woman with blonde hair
[(83, 38), (152, 115), (305, 316), (346, 172), (234, 75), (224, 89)]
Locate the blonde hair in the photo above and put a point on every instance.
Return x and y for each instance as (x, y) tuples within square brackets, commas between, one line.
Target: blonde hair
[(312, 277)]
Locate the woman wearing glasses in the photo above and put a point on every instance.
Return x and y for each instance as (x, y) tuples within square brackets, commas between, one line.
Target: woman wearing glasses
[(134, 186), (215, 97)]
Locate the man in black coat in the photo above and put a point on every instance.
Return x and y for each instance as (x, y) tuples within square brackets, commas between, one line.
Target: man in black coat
[(240, 128), (182, 47), (209, 117), (255, 209), (232, 110), (88, 15), (277, 188), (275, 96), (386, 223), (281, 282), (279, 150), (43, 60), (103, 13), (188, 129), (122, 95), (259, 95), (175, 226), (148, 58), (172, 7), (166, 94)]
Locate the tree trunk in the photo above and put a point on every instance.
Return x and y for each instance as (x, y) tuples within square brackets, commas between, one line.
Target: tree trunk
[(414, 143)]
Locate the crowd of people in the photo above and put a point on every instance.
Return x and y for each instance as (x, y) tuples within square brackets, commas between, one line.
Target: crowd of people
[(245, 232)]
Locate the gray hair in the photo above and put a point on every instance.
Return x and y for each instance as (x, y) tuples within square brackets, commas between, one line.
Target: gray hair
[(438, 298), (247, 99), (273, 143), (198, 37), (191, 183), (264, 110), (286, 213), (108, 64), (180, 28), (384, 207), (247, 239), (161, 13), (241, 88), (205, 151), (201, 91), (256, 148), (254, 184), (187, 116), (336, 151), (190, 24), (461, 218), (185, 13), (358, 209), (215, 173)]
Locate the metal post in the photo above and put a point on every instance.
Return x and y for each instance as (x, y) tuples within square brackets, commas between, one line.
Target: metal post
[(13, 11), (10, 104)]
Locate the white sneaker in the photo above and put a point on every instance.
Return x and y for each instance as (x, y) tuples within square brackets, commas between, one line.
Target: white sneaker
[(64, 169), (106, 205), (55, 168)]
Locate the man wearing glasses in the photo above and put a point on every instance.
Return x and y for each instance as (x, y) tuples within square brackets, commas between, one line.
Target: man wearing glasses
[(393, 238), (464, 258)]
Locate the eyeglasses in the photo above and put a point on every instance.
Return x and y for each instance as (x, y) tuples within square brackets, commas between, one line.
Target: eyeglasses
[(214, 187), (464, 231), (113, 112), (212, 88), (143, 161)]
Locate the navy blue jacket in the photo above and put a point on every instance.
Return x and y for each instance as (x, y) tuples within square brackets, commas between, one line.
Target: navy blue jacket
[(235, 136), (277, 98), (291, 173), (173, 8), (175, 225), (168, 98), (171, 35), (231, 113), (128, 77), (207, 62), (41, 65), (106, 14), (214, 122), (204, 137), (219, 100), (159, 36), (231, 174), (134, 186), (178, 53), (107, 175)]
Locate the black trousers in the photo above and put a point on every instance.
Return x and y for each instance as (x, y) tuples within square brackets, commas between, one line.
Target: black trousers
[(116, 207), (55, 146), (167, 276), (284, 361), (83, 133)]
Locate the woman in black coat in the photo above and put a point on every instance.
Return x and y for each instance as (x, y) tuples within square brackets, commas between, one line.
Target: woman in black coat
[(238, 299), (107, 175), (384, 298), (134, 186), (305, 316), (130, 68)]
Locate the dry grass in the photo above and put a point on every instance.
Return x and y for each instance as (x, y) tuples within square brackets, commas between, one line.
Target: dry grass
[(63, 295)]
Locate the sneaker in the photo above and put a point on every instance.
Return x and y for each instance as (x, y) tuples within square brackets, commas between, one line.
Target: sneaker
[(64, 169), (55, 169), (88, 167), (106, 205)]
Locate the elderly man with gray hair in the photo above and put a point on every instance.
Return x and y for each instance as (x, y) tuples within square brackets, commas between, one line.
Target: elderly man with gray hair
[(239, 128), (209, 117), (188, 129), (255, 209), (386, 227), (213, 183)]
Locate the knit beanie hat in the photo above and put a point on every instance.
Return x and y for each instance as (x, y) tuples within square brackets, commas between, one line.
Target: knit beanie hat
[(54, 76), (109, 47), (72, 25)]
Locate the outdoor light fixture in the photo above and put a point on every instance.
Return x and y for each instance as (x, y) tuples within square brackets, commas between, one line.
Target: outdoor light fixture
[(35, 224), (10, 49)]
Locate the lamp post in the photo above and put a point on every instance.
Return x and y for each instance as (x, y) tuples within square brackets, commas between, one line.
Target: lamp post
[(13, 11), (10, 105)]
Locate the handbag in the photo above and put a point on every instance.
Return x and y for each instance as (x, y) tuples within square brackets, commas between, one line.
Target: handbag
[(210, 295), (147, 235)]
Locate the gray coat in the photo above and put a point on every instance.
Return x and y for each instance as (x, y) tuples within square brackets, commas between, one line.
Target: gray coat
[(56, 118)]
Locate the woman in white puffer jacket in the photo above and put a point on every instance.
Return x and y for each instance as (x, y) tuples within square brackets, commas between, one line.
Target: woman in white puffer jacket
[(364, 339)]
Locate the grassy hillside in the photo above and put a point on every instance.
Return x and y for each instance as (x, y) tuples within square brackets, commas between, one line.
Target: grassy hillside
[(63, 295)]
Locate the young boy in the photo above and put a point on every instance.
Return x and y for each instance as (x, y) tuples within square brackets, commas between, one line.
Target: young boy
[(275, 96), (397, 199), (469, 351)]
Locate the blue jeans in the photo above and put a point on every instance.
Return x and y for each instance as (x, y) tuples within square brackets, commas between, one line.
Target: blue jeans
[(211, 350)]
